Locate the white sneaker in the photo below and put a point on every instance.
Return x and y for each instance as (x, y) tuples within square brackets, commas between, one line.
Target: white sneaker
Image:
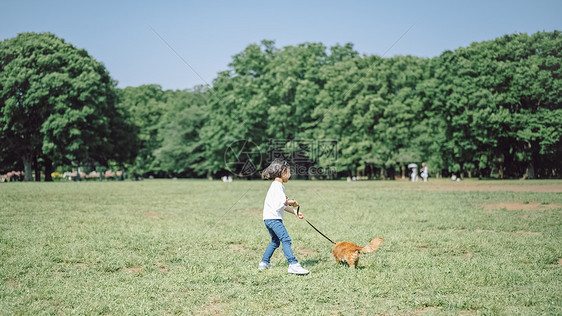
[(296, 268), (263, 266)]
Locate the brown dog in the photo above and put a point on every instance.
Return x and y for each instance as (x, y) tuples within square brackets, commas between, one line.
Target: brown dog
[(349, 252)]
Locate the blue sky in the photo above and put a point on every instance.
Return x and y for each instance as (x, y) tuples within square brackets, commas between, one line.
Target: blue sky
[(208, 33)]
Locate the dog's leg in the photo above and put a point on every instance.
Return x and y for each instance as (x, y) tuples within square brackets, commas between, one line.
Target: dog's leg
[(352, 259)]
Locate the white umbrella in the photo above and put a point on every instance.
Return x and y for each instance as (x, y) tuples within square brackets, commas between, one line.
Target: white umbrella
[(412, 165)]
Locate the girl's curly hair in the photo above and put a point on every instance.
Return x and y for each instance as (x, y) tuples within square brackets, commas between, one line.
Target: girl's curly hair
[(275, 169)]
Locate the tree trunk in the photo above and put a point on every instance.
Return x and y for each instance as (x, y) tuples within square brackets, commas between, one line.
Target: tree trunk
[(27, 168), (530, 173), (48, 169), (37, 169), (508, 165), (391, 173), (500, 171)]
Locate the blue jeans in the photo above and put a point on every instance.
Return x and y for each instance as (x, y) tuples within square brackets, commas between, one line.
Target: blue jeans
[(279, 235)]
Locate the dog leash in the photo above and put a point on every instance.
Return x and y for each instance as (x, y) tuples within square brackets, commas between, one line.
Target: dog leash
[(316, 229)]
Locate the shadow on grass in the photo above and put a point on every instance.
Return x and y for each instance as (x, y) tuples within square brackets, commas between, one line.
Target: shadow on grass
[(345, 266), (342, 265), (311, 262)]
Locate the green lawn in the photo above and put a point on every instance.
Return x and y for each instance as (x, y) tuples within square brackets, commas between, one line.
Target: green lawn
[(193, 246)]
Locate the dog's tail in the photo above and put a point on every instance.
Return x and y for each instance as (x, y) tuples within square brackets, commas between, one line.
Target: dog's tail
[(373, 245)]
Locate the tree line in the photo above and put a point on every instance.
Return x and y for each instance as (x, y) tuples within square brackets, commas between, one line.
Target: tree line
[(492, 109)]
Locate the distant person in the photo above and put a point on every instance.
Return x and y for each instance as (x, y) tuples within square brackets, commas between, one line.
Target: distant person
[(275, 205), (424, 172), (414, 174)]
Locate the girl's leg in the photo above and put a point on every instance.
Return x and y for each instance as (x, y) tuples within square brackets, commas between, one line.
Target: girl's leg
[(274, 244), (281, 232)]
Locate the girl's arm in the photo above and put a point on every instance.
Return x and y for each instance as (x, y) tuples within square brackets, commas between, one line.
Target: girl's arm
[(291, 202), (293, 211)]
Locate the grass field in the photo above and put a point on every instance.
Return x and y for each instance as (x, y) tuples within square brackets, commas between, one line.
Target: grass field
[(193, 246)]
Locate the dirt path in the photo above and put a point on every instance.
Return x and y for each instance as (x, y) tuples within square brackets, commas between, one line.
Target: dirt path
[(515, 186), (513, 206)]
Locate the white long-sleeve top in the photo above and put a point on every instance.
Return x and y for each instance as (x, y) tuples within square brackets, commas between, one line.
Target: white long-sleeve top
[(274, 205)]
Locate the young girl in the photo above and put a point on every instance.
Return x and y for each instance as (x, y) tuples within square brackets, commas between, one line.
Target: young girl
[(276, 203)]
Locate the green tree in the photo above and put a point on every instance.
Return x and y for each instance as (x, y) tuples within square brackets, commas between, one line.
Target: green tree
[(178, 132), (146, 105), (267, 94), (494, 106), (502, 100), (372, 106), (292, 83), (237, 107), (401, 134), (54, 102), (344, 113)]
